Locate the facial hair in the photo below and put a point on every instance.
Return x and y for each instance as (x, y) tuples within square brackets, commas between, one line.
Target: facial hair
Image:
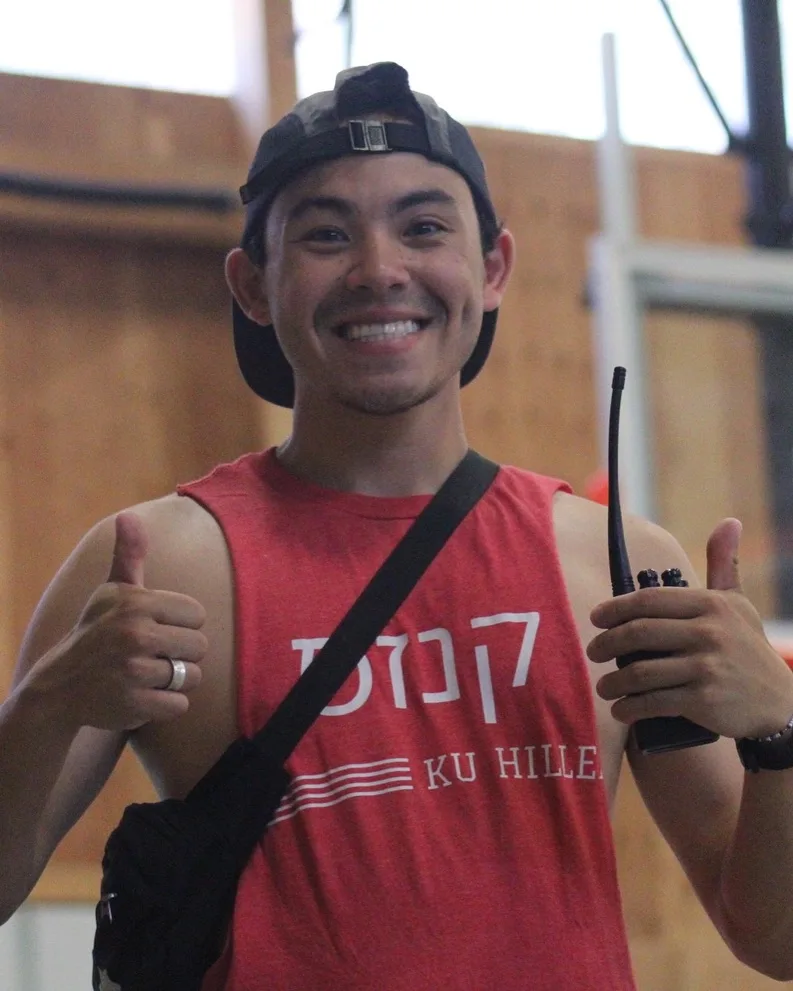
[(387, 403)]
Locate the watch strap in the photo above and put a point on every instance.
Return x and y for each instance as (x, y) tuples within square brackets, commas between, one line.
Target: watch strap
[(768, 753)]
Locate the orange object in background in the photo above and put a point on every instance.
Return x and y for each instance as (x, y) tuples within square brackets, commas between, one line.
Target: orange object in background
[(780, 635), (785, 649), (596, 487)]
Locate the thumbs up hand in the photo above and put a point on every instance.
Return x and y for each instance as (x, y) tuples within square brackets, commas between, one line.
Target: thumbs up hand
[(132, 646), (717, 669), (129, 551)]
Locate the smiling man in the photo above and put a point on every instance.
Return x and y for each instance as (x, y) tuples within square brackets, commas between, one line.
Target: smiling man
[(448, 821)]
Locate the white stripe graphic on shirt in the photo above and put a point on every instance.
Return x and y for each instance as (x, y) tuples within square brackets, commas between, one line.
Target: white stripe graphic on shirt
[(315, 791)]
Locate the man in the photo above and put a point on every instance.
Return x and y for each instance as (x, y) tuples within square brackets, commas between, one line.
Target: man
[(447, 825)]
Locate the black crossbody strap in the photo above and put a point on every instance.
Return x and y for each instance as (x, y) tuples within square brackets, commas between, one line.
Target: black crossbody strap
[(375, 606)]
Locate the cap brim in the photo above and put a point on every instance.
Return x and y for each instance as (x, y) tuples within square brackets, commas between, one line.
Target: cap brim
[(269, 374), (261, 360), (478, 357)]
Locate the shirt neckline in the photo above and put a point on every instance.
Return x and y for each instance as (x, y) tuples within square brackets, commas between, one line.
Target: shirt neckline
[(299, 490)]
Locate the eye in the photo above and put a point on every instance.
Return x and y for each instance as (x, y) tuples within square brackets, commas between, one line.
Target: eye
[(330, 236), (425, 228)]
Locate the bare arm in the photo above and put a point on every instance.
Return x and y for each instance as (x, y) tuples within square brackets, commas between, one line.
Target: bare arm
[(86, 676), (731, 831)]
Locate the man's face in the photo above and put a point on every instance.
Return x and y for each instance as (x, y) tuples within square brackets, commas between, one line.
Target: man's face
[(375, 280)]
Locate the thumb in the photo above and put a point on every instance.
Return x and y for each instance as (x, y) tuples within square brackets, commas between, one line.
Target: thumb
[(129, 551), (722, 555)]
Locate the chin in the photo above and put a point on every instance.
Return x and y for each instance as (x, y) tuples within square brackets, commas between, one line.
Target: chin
[(388, 402)]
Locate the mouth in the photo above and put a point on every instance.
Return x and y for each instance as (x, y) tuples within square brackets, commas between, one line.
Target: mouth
[(392, 330)]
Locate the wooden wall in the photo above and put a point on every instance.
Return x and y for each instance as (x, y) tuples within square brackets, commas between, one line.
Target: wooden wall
[(117, 379), (117, 374)]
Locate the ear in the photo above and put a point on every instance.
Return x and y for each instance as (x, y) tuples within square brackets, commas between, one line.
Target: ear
[(498, 267), (246, 283)]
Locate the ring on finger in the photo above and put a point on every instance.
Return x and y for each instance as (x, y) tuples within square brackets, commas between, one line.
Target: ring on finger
[(178, 675)]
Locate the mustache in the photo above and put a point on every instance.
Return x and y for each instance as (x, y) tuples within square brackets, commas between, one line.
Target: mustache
[(342, 306)]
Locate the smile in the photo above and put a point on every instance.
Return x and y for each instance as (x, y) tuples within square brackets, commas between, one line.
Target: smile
[(380, 331)]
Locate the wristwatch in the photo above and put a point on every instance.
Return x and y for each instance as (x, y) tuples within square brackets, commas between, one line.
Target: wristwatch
[(768, 753)]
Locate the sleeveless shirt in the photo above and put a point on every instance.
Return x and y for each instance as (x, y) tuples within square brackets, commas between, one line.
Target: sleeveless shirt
[(447, 824)]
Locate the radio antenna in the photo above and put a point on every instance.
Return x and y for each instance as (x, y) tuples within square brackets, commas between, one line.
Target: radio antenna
[(619, 565)]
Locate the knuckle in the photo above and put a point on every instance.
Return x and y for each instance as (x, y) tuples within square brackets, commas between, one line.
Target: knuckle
[(640, 631), (706, 669), (709, 694), (124, 634), (708, 632), (134, 668), (137, 633), (645, 704), (146, 637), (643, 675), (718, 606)]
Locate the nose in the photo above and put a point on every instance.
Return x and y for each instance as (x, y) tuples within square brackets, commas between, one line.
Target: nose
[(378, 263)]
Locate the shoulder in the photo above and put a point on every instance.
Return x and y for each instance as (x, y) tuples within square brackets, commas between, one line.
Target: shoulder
[(184, 542), (187, 551), (581, 530), (176, 527)]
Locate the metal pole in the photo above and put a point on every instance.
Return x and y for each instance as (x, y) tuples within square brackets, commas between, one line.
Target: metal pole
[(767, 150), (768, 222), (618, 309)]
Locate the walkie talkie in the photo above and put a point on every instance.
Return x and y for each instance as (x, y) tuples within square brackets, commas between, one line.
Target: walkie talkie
[(658, 733)]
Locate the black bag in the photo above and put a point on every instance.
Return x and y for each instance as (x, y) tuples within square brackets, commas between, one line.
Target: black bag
[(171, 868)]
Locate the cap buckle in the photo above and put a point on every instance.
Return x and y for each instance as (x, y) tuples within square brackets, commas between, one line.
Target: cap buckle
[(367, 135)]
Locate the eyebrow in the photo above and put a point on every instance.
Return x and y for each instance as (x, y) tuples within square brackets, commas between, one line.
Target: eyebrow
[(345, 208), (420, 197)]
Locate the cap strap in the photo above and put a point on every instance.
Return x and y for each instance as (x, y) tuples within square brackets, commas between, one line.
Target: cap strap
[(354, 137)]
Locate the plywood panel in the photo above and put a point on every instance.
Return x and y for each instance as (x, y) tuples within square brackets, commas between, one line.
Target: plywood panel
[(534, 403), (86, 130), (120, 381)]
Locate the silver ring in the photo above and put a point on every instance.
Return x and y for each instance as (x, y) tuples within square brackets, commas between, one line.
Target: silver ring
[(178, 675)]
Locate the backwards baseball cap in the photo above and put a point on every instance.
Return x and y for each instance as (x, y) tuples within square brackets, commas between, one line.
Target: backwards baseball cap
[(332, 125)]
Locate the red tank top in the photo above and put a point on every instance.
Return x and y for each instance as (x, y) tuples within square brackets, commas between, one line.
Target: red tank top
[(447, 824)]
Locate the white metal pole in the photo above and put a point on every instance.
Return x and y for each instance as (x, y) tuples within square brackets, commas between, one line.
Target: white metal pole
[(618, 310)]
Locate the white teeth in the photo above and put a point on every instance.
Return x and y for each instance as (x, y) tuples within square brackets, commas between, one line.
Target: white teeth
[(379, 331)]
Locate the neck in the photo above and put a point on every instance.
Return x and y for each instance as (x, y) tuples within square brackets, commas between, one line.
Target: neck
[(410, 453)]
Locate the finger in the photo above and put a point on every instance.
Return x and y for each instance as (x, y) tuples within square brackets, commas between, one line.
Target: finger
[(660, 636), (722, 555), (163, 671), (173, 609), (158, 672), (646, 705), (157, 706), (647, 676), (658, 603), (129, 550), (175, 641)]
